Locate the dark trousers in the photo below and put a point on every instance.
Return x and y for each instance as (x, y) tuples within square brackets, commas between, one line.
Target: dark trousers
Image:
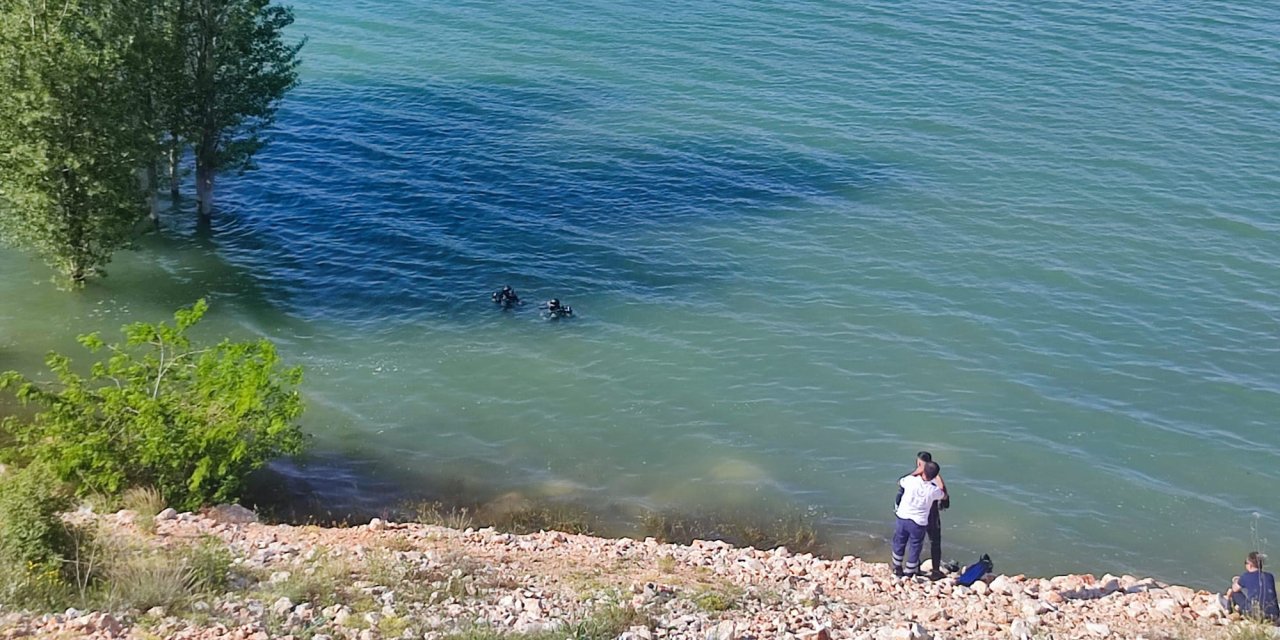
[(934, 531), (1241, 604), (908, 541)]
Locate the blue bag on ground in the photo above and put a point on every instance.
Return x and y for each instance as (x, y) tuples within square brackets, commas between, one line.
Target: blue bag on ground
[(975, 571)]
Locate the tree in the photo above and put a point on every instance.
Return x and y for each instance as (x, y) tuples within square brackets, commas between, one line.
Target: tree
[(71, 138), (161, 411), (238, 68)]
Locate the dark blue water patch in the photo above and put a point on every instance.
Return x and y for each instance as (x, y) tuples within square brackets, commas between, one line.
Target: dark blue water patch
[(390, 200)]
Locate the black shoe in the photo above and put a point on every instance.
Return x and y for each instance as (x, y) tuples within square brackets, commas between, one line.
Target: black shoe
[(936, 575), (897, 572)]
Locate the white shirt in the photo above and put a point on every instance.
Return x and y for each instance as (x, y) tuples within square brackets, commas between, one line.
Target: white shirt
[(918, 497)]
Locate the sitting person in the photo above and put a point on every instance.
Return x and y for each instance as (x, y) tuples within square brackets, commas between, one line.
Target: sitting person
[(555, 310), (506, 296), (1253, 593)]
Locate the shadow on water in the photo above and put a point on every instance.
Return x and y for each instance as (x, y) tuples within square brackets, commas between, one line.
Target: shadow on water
[(380, 202), (329, 490), (375, 205)]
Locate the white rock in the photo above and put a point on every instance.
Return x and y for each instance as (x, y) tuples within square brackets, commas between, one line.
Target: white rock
[(1020, 630), (1168, 606), (1097, 629), (726, 630), (282, 606), (167, 514), (910, 631), (981, 588), (375, 524)]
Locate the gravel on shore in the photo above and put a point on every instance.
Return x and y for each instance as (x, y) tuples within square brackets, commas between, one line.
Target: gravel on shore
[(421, 581)]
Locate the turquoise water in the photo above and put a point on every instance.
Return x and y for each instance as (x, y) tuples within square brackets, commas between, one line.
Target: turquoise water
[(805, 240)]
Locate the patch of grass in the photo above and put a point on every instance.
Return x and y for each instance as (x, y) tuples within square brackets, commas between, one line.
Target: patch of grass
[(437, 514), (793, 530), (1251, 630), (146, 502), (144, 578), (393, 626), (143, 500), (716, 600), (544, 517), (605, 623), (209, 561), (323, 582), (666, 563)]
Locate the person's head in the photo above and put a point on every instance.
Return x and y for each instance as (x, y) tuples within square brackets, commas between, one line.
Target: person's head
[(931, 470), (1253, 561), (921, 459)]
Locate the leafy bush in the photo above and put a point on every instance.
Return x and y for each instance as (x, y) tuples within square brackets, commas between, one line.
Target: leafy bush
[(158, 410), (31, 527), (34, 541)]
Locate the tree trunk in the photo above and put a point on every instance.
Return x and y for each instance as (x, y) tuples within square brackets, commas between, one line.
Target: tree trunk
[(147, 177), (204, 191), (175, 153)]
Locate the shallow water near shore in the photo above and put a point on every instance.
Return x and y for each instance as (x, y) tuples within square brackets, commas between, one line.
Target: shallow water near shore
[(803, 241)]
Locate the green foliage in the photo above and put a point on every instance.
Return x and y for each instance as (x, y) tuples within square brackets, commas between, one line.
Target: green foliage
[(34, 541), (209, 564), (325, 582), (237, 68), (606, 623), (70, 138), (793, 530), (31, 528), (715, 601), (192, 421)]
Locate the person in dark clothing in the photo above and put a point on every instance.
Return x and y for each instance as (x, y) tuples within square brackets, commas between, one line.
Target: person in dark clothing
[(916, 500), (1253, 593), (506, 297), (934, 529), (555, 310)]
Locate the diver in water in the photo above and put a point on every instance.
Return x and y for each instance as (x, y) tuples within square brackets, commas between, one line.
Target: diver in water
[(506, 297), (554, 310)]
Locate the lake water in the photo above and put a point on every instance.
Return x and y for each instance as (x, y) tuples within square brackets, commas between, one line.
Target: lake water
[(804, 240)]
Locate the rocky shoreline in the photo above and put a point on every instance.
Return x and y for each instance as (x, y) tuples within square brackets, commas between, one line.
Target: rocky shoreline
[(408, 580)]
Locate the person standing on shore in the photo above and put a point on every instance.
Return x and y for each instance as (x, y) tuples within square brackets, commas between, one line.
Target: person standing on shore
[(1253, 593), (919, 495), (934, 529)]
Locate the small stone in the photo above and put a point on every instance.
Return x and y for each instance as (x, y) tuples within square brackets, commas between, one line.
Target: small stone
[(1020, 630), (376, 524), (723, 631), (981, 588), (282, 606), (232, 514), (1097, 629), (167, 514)]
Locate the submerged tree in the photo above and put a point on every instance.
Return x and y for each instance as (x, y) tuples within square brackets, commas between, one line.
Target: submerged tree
[(237, 69), (162, 411), (71, 138)]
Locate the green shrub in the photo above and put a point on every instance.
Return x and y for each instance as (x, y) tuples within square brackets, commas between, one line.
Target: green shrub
[(145, 578), (160, 411), (209, 562), (32, 532)]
